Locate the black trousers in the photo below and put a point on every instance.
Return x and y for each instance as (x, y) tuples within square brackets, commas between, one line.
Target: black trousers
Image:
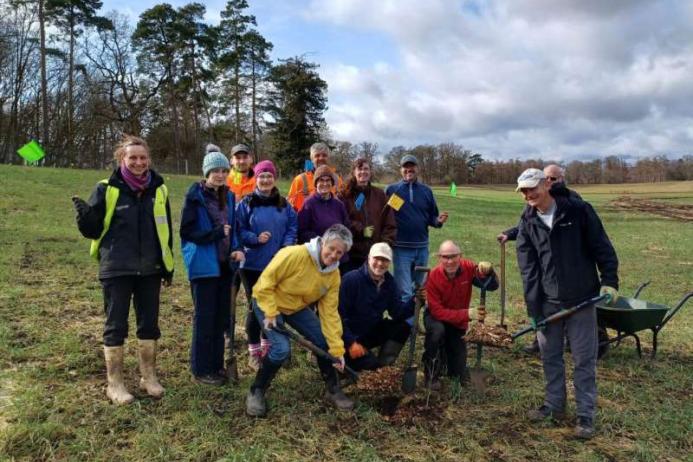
[(443, 337), (212, 299), (253, 329), (385, 330), (117, 294)]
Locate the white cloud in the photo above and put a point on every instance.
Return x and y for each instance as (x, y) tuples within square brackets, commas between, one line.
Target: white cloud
[(516, 77)]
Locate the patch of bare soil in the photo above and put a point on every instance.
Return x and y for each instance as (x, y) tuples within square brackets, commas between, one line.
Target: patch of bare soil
[(682, 212), (382, 389)]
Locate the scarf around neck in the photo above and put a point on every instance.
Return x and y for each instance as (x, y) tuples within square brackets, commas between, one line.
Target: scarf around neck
[(136, 183)]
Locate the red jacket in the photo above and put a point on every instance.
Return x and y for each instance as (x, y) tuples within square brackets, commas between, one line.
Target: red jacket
[(448, 299)]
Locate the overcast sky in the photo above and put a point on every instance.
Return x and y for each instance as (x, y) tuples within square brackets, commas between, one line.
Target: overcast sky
[(560, 79)]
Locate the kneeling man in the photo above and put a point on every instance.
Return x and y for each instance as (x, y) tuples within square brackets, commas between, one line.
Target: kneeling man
[(365, 295), (448, 291)]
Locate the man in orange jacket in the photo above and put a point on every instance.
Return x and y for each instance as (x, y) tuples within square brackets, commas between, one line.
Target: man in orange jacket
[(241, 180), (303, 186)]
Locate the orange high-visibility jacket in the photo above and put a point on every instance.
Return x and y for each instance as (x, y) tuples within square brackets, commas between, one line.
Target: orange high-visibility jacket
[(303, 186)]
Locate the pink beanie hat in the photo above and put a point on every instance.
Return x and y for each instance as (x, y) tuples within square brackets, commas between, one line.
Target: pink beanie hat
[(265, 166)]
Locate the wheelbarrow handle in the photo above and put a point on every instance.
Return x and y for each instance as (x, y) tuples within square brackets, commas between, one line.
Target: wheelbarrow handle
[(670, 314), (310, 346), (560, 315), (640, 288)]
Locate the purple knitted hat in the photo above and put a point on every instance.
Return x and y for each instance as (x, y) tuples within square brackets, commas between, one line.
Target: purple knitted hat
[(265, 166)]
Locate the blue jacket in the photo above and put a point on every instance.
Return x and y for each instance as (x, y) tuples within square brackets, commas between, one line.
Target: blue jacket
[(362, 303), (256, 214), (198, 236), (418, 212)]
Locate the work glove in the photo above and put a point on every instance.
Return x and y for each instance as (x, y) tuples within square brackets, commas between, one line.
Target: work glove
[(478, 314), (368, 232), (270, 322), (356, 350), (535, 324), (485, 267), (81, 207), (167, 279), (339, 365), (611, 292)]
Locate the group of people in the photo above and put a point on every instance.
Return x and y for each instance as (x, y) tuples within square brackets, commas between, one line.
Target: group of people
[(319, 261)]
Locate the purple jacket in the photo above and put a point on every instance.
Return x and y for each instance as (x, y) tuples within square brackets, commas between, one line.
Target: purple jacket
[(319, 214)]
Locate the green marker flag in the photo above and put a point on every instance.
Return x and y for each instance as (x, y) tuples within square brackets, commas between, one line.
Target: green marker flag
[(31, 152), (453, 189)]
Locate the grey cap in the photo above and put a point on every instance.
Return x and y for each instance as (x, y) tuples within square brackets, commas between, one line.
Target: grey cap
[(408, 159), (240, 148)]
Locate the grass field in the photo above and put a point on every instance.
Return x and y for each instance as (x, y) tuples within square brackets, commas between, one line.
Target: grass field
[(52, 375)]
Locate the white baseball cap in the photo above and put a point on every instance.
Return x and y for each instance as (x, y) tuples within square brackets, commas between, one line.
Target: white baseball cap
[(382, 250), (530, 178)]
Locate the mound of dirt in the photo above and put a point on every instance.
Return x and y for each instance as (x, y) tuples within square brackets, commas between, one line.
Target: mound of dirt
[(494, 336), (682, 212), (382, 388)]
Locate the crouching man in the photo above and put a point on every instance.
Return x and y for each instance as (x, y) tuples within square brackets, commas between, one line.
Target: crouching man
[(448, 291), (560, 245), (366, 294), (297, 277)]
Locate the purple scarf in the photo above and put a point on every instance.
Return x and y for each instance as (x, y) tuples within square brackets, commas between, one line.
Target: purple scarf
[(219, 218), (136, 183)]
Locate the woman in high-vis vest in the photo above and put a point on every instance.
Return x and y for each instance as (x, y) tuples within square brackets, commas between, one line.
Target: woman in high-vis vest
[(210, 246), (128, 218)]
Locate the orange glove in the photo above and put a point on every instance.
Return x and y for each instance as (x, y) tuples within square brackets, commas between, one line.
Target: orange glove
[(356, 350)]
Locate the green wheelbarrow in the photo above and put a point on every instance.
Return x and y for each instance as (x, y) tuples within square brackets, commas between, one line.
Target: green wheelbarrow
[(628, 316)]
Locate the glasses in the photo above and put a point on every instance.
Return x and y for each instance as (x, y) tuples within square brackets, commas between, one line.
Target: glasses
[(449, 257), (552, 178)]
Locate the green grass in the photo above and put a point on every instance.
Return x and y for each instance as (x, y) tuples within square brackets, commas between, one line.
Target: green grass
[(53, 406)]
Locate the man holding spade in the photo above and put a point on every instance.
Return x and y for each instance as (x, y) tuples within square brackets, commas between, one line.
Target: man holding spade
[(561, 244)]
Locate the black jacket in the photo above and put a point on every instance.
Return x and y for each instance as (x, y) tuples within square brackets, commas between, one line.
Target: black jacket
[(559, 265), (131, 245)]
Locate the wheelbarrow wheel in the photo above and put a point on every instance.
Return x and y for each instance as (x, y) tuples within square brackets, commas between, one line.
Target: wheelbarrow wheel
[(603, 339)]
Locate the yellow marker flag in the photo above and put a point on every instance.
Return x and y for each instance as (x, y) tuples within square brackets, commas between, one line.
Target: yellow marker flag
[(395, 202)]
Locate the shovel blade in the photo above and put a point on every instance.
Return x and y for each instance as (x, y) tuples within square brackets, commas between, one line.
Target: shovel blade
[(232, 369), (479, 379), (409, 380)]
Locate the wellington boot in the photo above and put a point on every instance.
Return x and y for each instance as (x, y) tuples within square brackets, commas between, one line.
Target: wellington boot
[(116, 390), (389, 352), (335, 395), (255, 403), (149, 382)]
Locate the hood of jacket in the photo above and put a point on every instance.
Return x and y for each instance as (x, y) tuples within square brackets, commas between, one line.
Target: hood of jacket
[(314, 246)]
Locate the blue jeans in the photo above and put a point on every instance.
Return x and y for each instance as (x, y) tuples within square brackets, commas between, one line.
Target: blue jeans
[(306, 323), (405, 259)]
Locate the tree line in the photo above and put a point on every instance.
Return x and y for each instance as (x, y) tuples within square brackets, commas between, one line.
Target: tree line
[(75, 79)]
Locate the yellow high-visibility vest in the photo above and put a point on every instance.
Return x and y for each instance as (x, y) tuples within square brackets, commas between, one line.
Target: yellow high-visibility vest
[(160, 220)]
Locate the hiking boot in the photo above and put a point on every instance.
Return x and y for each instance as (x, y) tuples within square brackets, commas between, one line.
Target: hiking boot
[(584, 428), (116, 390), (544, 412), (149, 381), (210, 379), (532, 348), (255, 403), (339, 399)]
